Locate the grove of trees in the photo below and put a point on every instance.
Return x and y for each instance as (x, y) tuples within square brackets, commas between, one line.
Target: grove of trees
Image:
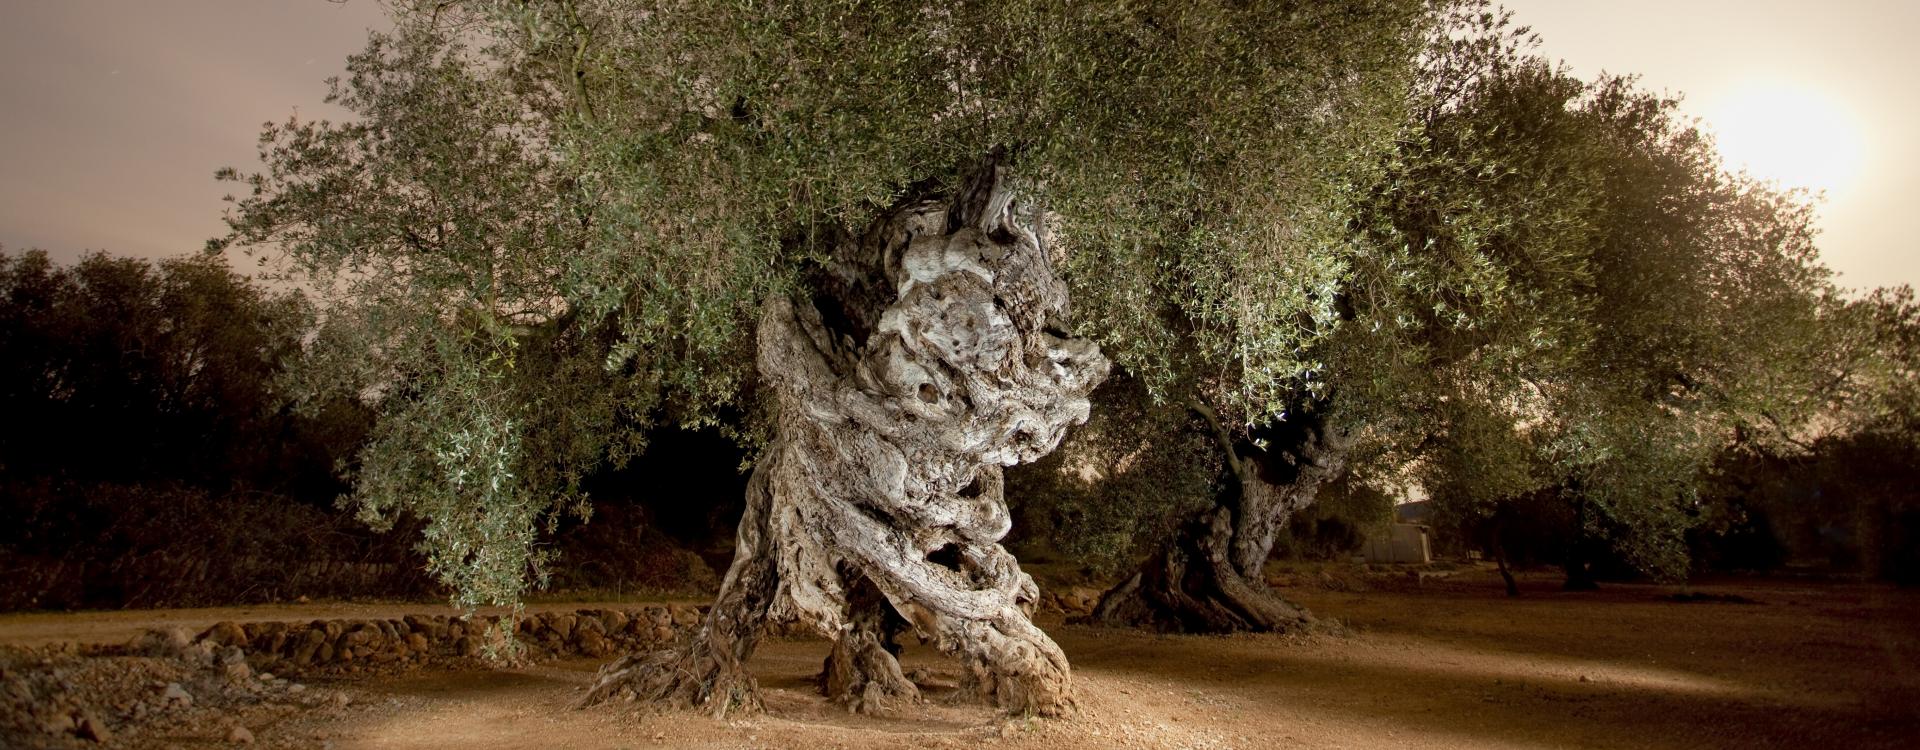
[(1227, 258), (146, 458)]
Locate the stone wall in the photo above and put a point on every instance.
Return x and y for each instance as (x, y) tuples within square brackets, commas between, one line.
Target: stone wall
[(352, 646)]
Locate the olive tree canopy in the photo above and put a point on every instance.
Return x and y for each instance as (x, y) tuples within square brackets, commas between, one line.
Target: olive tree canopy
[(858, 223)]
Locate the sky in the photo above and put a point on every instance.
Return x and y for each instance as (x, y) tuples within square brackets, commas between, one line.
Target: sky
[(114, 114), (1755, 66)]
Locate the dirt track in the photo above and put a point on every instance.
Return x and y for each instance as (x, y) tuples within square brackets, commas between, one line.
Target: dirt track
[(1454, 664)]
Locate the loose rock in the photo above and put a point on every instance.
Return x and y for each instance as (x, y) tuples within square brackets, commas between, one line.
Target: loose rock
[(175, 695), (91, 728)]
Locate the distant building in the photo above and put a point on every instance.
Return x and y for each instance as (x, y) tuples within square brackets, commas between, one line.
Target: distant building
[(1402, 543)]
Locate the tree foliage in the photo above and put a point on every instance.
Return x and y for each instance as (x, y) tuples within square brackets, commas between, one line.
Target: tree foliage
[(117, 369), (147, 459), (1667, 306), (551, 223), (1552, 288)]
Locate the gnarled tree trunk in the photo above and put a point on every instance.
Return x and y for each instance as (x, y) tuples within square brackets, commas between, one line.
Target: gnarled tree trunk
[(928, 358), (1209, 578)]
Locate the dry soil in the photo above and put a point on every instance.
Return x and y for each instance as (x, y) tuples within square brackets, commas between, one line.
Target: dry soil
[(1440, 663)]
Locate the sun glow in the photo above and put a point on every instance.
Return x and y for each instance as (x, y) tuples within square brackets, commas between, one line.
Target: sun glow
[(1796, 136)]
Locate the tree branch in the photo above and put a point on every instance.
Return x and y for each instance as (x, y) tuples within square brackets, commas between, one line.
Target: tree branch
[(1200, 406)]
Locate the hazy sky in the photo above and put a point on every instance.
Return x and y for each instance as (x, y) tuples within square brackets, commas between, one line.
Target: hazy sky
[(1857, 59), (116, 112)]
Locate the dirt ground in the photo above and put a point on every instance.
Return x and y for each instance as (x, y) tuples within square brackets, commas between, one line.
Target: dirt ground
[(1442, 663)]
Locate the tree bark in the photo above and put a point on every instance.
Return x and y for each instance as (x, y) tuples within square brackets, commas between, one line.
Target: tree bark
[(1210, 577), (1500, 561), (928, 357), (1579, 562)]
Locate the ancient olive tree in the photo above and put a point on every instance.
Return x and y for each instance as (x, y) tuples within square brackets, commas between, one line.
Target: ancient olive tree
[(1430, 278), (1538, 259), (1680, 304), (552, 223)]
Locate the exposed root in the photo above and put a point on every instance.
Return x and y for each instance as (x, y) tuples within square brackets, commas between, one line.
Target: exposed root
[(1020, 671), (862, 673), (706, 669), (691, 675)]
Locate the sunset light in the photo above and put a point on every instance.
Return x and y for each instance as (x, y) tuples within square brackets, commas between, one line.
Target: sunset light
[(987, 374), (1789, 134)]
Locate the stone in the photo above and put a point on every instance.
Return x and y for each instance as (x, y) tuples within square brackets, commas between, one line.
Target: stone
[(466, 646), (231, 655), (57, 723), (202, 652), (592, 644), (89, 727), (163, 642), (240, 735), (237, 672), (417, 643), (225, 633), (563, 626), (176, 696), (359, 639)]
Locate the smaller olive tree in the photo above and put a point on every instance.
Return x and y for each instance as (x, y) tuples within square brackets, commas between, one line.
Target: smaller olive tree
[(1682, 324)]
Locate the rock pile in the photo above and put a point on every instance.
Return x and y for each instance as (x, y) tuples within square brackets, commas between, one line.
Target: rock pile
[(175, 684), (355, 646), (164, 684), (1072, 601)]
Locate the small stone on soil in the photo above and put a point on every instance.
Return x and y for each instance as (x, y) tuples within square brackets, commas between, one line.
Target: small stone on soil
[(175, 694), (91, 728)]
